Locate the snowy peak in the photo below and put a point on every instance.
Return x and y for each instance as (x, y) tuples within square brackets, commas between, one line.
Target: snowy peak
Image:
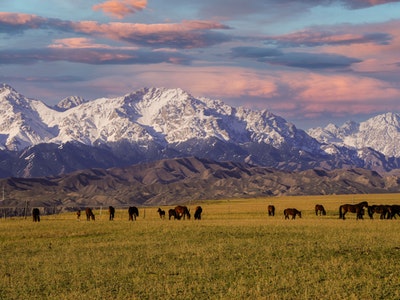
[(380, 133), (69, 102), (164, 116)]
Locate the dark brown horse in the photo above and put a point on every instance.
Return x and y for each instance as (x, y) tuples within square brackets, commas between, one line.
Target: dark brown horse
[(36, 215), (383, 210), (358, 209), (172, 213), (394, 210), (161, 213), (319, 209), (78, 214), (291, 212), (89, 214), (111, 212), (182, 211), (197, 213), (271, 210), (133, 213)]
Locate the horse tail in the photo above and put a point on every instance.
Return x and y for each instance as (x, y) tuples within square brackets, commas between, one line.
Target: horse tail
[(340, 212)]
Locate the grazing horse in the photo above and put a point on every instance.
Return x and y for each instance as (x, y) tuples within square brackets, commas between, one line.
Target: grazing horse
[(319, 208), (379, 209), (111, 211), (182, 211), (172, 213), (358, 209), (291, 212), (78, 215), (89, 214), (161, 213), (133, 213), (36, 215), (271, 210), (197, 213)]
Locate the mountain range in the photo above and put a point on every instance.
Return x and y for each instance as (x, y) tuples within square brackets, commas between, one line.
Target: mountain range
[(185, 180), (153, 124)]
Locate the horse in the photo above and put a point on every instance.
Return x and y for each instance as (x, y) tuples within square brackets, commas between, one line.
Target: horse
[(291, 212), (319, 208), (111, 211), (182, 211), (172, 213), (393, 210), (133, 213), (161, 213), (197, 213), (358, 209), (271, 210), (78, 215), (383, 210), (89, 214), (36, 215)]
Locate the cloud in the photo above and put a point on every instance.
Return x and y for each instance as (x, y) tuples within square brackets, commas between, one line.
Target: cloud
[(312, 60), (186, 34), (315, 37), (93, 56), (121, 8), (254, 52)]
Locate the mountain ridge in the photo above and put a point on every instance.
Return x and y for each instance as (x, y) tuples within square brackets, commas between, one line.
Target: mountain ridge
[(187, 180), (151, 124)]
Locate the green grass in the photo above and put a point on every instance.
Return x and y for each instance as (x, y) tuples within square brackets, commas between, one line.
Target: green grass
[(235, 252)]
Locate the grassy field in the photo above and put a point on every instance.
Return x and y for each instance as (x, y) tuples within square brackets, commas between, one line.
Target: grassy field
[(235, 252)]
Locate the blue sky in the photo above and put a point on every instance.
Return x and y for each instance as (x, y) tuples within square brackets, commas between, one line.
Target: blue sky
[(311, 62)]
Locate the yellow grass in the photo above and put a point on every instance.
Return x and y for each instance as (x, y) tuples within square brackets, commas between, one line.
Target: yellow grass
[(235, 252)]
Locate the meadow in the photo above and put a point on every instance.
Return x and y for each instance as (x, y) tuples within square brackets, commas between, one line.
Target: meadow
[(236, 251)]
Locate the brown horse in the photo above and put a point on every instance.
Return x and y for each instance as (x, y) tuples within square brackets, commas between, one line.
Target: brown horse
[(319, 209), (182, 211), (291, 212), (358, 209), (111, 212), (36, 215), (133, 213), (271, 210), (197, 213), (383, 210), (172, 213), (161, 213), (89, 214)]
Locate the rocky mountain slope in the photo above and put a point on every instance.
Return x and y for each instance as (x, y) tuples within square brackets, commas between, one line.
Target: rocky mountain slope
[(183, 180)]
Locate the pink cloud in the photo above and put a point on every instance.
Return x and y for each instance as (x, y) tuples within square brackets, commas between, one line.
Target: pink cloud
[(121, 8)]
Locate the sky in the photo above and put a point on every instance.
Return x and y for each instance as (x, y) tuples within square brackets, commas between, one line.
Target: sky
[(312, 62)]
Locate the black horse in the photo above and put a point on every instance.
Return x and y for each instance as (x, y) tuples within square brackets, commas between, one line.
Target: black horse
[(291, 212), (161, 213), (172, 213), (89, 214), (319, 209), (383, 210), (271, 210), (111, 211), (36, 215), (133, 213), (394, 210), (197, 213), (358, 209)]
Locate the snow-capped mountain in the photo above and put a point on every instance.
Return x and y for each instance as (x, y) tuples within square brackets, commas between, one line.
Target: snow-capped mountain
[(156, 123), (380, 133), (164, 116)]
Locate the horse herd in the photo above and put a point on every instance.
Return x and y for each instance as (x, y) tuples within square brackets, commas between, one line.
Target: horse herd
[(385, 211), (182, 212)]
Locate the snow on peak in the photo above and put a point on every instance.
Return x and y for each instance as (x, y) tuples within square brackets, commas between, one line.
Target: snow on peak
[(69, 102)]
